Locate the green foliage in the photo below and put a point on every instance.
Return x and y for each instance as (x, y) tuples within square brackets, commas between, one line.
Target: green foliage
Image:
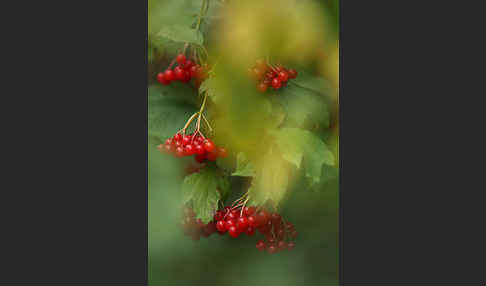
[(204, 189), (304, 107), (299, 145), (181, 34), (271, 181), (168, 109), (243, 166)]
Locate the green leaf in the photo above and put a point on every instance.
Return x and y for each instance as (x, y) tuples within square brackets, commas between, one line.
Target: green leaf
[(299, 145), (271, 182), (244, 167), (209, 86), (314, 83), (202, 189), (183, 34), (169, 107), (304, 107), (223, 185)]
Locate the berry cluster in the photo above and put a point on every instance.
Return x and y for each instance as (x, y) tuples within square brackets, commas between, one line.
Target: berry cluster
[(192, 144), (268, 75), (237, 220), (184, 72), (196, 228)]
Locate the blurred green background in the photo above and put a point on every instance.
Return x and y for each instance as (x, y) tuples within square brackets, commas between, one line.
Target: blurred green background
[(175, 259)]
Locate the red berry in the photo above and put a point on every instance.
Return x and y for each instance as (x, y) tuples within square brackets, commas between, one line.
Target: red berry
[(276, 218), (201, 73), (259, 73), (233, 214), (263, 217), (181, 59), (200, 139), (209, 145), (168, 148), (280, 234), (169, 75), (179, 151), (242, 223), (262, 87), (188, 64), (189, 150), (212, 156), (276, 83), (260, 245), (292, 73), (186, 140), (252, 221), (270, 75), (178, 137), (248, 211), (250, 231), (200, 150), (193, 71), (271, 240), (161, 78), (218, 215), (168, 141), (272, 249), (230, 222), (200, 157), (177, 144), (179, 73), (283, 76), (186, 76), (290, 245), (221, 226), (293, 234), (233, 231), (222, 152), (281, 245)]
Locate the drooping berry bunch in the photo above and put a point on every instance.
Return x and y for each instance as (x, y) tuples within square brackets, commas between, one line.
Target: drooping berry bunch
[(184, 72), (278, 235), (269, 75), (191, 144), (195, 228)]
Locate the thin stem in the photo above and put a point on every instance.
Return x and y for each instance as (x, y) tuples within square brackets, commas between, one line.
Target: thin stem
[(207, 122), (189, 122), (200, 15)]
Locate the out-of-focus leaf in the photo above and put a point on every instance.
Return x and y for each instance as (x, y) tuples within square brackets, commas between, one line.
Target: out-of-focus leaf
[(271, 181), (209, 86), (244, 167), (311, 82), (202, 189), (182, 34), (169, 107), (299, 145), (303, 105)]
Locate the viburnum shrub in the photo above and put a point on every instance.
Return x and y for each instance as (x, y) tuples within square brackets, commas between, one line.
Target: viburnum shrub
[(246, 144)]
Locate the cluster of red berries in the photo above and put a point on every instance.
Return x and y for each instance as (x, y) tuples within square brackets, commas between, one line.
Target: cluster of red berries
[(184, 72), (236, 221), (195, 228), (267, 75), (191, 144)]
